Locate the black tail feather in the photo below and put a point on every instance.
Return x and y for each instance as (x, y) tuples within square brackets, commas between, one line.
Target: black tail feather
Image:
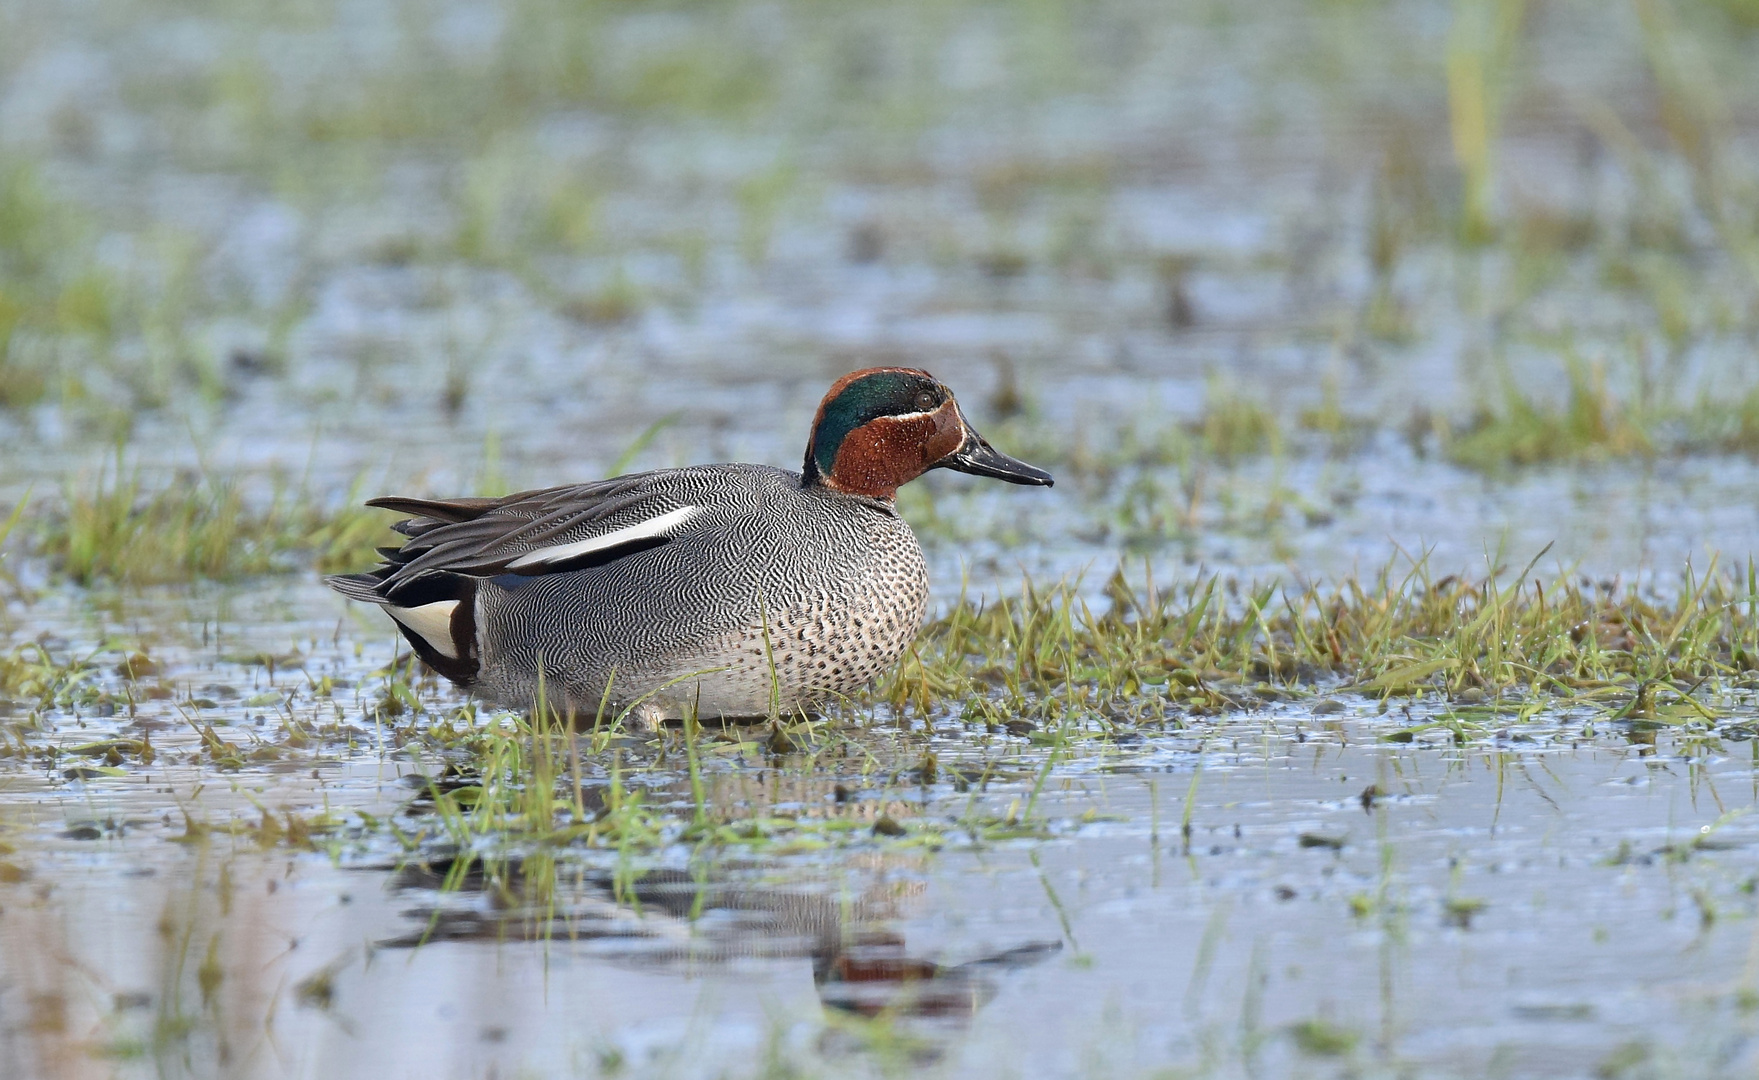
[(362, 587), (448, 510)]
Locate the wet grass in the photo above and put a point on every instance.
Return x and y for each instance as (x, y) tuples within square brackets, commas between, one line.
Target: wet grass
[(1212, 644), (515, 790), (1143, 485), (78, 330), (111, 526), (511, 827), (1594, 424), (1551, 411), (1590, 425), (11, 522)]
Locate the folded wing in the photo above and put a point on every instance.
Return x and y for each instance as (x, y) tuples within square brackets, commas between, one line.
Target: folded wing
[(429, 584)]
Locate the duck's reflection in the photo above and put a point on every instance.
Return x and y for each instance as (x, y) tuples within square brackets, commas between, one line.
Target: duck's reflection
[(859, 965)]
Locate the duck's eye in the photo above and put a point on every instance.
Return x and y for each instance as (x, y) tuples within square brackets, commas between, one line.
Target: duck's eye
[(925, 401)]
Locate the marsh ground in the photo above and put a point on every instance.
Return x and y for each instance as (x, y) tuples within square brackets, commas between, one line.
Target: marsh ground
[(1373, 696)]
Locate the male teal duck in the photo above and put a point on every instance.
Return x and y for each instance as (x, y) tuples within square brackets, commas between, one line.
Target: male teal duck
[(718, 590)]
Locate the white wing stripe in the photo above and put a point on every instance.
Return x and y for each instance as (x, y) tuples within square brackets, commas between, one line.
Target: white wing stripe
[(433, 622), (641, 530)]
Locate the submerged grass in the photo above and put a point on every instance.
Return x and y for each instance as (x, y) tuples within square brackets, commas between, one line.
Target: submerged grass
[(523, 778)]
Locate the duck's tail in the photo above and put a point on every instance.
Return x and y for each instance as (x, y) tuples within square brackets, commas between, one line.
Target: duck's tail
[(436, 612)]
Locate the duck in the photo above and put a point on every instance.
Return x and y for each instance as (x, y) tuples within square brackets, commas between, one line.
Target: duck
[(727, 591)]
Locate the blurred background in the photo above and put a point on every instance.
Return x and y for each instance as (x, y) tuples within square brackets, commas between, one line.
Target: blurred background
[(1269, 284)]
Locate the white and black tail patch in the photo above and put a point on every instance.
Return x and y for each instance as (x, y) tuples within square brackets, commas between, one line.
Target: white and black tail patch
[(436, 612), (432, 622)]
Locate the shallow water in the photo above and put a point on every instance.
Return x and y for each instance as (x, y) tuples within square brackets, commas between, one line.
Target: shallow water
[(1533, 904)]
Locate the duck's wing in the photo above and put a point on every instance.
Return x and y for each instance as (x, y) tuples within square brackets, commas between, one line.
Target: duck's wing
[(532, 532), (429, 584)]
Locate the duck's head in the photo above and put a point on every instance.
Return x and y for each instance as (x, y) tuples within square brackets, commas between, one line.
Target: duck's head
[(880, 428)]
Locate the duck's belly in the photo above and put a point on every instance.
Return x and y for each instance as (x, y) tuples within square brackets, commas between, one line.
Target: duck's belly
[(801, 626)]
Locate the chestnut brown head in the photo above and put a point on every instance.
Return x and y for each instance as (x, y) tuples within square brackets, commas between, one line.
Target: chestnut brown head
[(880, 428)]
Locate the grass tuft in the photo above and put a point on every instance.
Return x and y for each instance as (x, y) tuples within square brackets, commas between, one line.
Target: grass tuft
[(1213, 644), (109, 527), (1591, 424)]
